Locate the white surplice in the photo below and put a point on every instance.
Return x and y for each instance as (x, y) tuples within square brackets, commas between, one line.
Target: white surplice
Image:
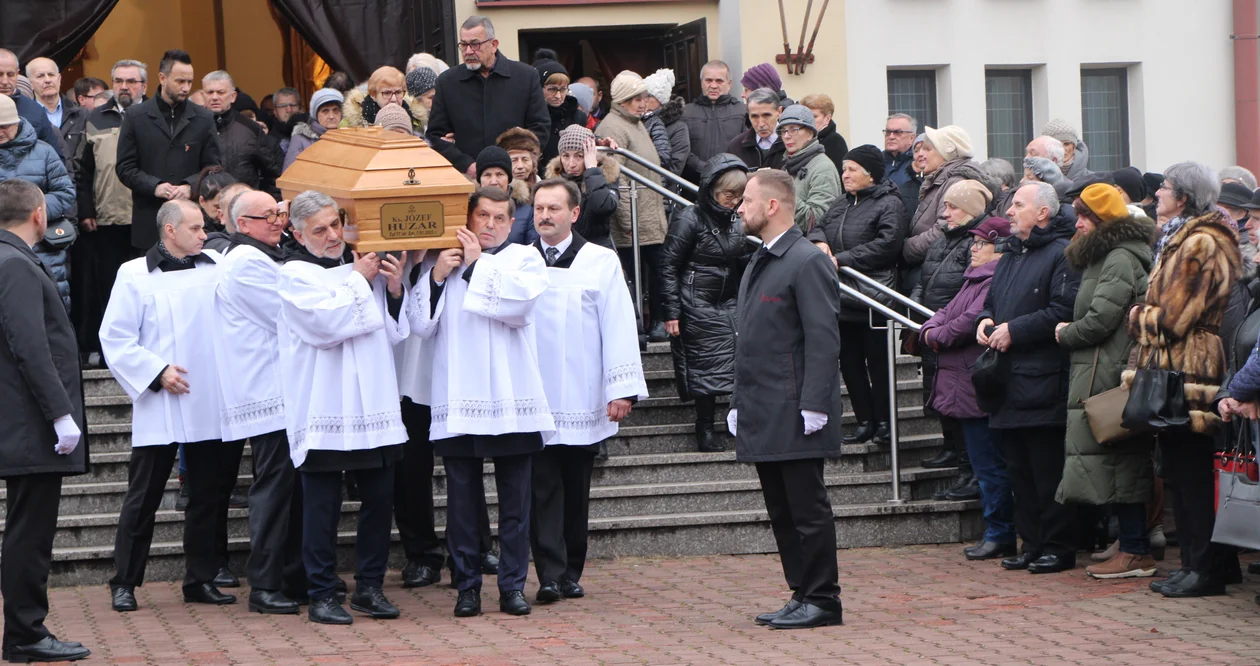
[(155, 319), (588, 346), (247, 305), (336, 360), (485, 360)]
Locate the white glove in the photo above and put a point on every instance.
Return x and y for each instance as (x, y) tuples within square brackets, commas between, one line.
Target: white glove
[(814, 421), (732, 418), (68, 435)]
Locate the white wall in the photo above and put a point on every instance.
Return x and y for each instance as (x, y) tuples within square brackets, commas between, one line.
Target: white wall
[(1180, 64)]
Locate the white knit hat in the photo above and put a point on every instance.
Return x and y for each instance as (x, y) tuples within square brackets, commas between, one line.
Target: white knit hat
[(951, 141), (660, 85), (627, 85)]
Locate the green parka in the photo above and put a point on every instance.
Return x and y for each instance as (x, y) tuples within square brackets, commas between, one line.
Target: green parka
[(1115, 261)]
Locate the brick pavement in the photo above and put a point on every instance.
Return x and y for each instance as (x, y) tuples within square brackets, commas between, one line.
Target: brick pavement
[(913, 605)]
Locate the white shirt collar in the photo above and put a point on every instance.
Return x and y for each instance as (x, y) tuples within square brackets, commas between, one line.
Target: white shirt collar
[(765, 143), (560, 247), (775, 240)]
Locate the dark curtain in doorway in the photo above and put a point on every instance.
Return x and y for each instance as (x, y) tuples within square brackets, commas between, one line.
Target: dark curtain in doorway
[(57, 30), (354, 36)]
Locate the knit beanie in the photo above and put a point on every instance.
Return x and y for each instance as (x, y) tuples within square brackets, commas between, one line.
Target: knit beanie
[(764, 75), (1153, 181), (627, 85), (1059, 130), (583, 94), (868, 157), (545, 61), (493, 156), (324, 96), (951, 141), (420, 81), (519, 138), (969, 195), (393, 117), (660, 85), (1130, 180), (797, 114), (574, 138), (1105, 202)]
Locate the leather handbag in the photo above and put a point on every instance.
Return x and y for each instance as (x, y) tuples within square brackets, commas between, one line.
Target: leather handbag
[(60, 234), (989, 376), (1103, 411), (1157, 399), (1238, 512)]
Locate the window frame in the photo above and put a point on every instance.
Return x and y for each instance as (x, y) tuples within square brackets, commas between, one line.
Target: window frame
[(912, 74), (1122, 73), (1025, 76)]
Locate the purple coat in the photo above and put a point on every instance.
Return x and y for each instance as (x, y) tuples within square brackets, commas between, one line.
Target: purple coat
[(952, 330)]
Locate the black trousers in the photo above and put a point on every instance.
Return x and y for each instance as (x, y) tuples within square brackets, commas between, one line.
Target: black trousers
[(147, 474), (560, 511), (413, 494), (212, 473), (864, 367), (275, 517), (463, 487), (650, 262), (804, 529), (321, 511), (26, 555), (95, 258), (1187, 466), (1034, 462)]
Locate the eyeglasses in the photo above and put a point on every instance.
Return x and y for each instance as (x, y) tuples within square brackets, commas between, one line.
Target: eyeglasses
[(291, 105), (978, 244), (127, 82), (888, 132), (269, 217), (555, 90), (390, 94), (474, 45), (791, 129)]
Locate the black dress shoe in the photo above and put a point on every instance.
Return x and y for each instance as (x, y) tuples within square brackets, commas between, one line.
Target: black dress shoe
[(47, 649), (883, 433), (548, 593), (513, 603), (271, 602), (205, 593), (767, 618), (961, 481), (1195, 584), (225, 578), (808, 616), (490, 563), (991, 550), (569, 589), (969, 491), (1172, 579), (945, 458), (468, 604), (124, 599), (1052, 564), (328, 611), (863, 434), (707, 441), (420, 575), (1019, 562), (372, 601)]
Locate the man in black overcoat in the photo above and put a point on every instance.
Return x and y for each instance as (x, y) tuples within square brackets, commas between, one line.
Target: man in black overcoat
[(42, 393), (785, 412)]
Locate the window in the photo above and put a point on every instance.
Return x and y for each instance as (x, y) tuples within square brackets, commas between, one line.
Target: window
[(1105, 117), (913, 91), (1008, 97)]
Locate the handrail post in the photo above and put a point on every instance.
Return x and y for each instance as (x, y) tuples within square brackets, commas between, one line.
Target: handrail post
[(893, 436), (634, 240)]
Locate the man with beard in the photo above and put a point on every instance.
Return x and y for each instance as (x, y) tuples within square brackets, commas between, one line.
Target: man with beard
[(163, 145), (248, 153), (104, 207)]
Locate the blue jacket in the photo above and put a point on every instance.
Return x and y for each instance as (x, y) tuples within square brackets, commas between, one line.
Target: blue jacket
[(34, 161), (33, 112)]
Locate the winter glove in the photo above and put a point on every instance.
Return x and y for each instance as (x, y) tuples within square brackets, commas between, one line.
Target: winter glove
[(732, 419), (814, 421), (68, 435)]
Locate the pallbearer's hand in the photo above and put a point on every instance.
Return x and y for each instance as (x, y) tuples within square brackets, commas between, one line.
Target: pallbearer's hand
[(173, 380), (367, 265), (392, 268), (472, 246), (447, 262), (619, 409)]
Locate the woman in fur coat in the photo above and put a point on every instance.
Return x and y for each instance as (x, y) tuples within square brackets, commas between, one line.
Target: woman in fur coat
[(386, 85)]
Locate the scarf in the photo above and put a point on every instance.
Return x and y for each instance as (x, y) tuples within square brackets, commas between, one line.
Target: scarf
[(168, 257), (1174, 225), (298, 252), (795, 163)]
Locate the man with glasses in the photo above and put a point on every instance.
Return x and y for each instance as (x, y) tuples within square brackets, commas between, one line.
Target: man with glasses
[(899, 132), (288, 113), (489, 95), (249, 154)]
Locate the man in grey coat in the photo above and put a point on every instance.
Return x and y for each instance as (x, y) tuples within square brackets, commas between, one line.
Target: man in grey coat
[(44, 420), (787, 390)]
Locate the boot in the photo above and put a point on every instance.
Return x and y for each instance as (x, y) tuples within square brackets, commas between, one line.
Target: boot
[(960, 482), (865, 431), (883, 433), (970, 491), (706, 441), (1159, 543), (946, 458)]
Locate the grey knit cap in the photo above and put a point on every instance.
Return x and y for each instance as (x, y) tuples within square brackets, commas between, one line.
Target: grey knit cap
[(797, 114), (420, 81)]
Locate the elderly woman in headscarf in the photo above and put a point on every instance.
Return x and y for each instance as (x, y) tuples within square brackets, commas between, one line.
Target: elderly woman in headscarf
[(945, 155), (386, 86)]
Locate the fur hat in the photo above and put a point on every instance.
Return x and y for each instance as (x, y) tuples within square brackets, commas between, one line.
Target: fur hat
[(627, 85), (1105, 202), (660, 84), (493, 156), (868, 157), (324, 96), (797, 114), (584, 95), (394, 117), (951, 141), (574, 138), (420, 81), (761, 76), (519, 138), (969, 195), (1059, 130)]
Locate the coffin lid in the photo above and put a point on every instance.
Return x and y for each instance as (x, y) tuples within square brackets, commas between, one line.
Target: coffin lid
[(372, 162)]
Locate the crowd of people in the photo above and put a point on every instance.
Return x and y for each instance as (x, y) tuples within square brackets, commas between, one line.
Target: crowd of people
[(151, 231)]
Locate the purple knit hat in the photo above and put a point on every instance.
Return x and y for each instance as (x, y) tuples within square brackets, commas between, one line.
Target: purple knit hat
[(762, 76)]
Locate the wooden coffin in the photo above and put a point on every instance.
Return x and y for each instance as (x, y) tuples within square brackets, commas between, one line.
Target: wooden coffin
[(396, 191)]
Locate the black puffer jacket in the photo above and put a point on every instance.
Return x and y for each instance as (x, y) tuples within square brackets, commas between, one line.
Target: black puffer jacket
[(249, 154), (865, 232), (562, 116), (599, 198), (702, 262), (947, 259)]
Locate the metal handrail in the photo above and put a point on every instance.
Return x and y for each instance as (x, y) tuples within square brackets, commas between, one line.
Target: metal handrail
[(892, 293), (657, 169), (647, 182), (880, 307)]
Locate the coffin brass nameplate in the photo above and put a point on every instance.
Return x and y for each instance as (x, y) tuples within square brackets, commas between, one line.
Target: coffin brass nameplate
[(412, 220)]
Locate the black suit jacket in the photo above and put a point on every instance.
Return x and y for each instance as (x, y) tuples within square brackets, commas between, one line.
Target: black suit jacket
[(39, 367)]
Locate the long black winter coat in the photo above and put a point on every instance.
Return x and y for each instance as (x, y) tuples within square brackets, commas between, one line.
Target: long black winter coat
[(865, 232), (248, 153), (561, 116), (702, 261), (1034, 288), (150, 154), (39, 367), (787, 354)]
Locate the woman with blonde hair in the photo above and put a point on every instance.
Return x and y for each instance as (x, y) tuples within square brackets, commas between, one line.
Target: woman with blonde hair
[(386, 86)]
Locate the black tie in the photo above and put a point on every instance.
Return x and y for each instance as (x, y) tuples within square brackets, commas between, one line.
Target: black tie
[(552, 255)]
